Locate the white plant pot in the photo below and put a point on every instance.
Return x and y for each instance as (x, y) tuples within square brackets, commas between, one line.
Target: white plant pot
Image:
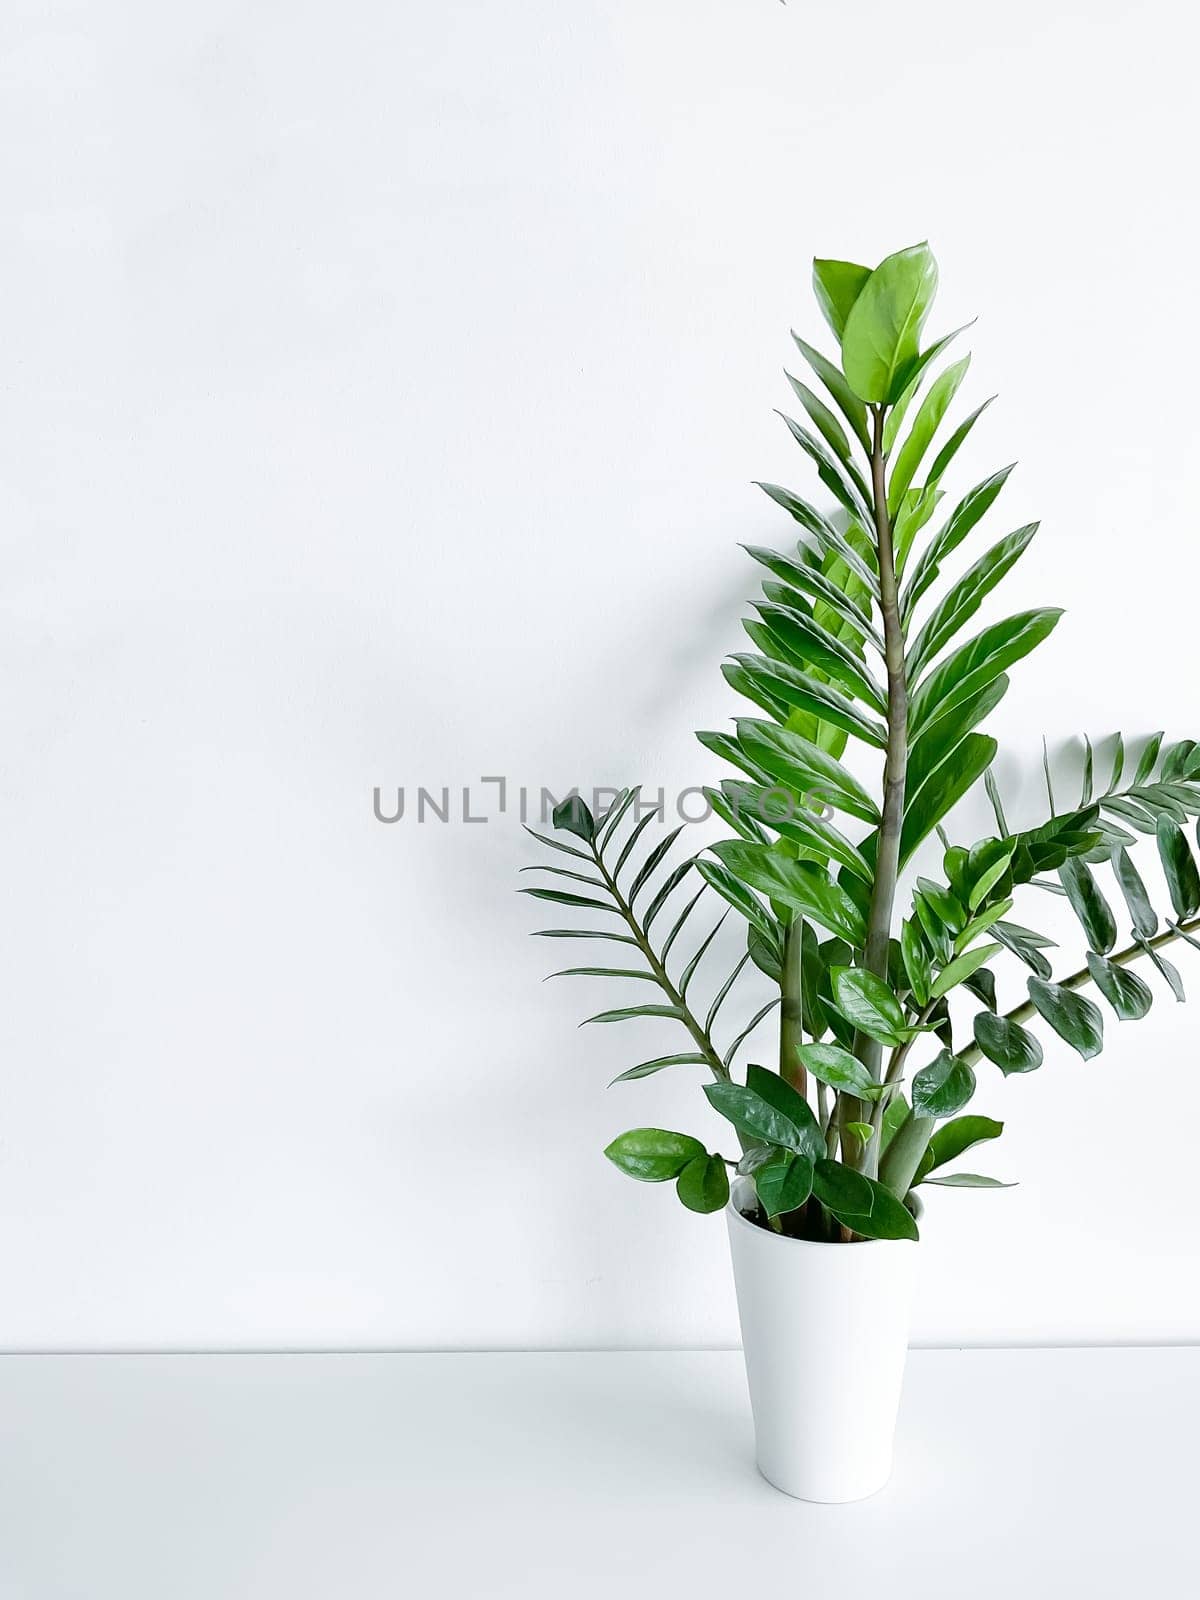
[(825, 1336)]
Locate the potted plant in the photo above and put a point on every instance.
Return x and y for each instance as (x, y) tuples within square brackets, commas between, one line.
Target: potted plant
[(866, 705)]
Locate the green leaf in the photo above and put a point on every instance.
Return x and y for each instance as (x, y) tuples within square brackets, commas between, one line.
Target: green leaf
[(1125, 992), (868, 1003), (628, 1013), (841, 1188), (828, 426), (557, 844), (800, 885), (861, 1204), (602, 972), (1180, 868), (1147, 760), (952, 1139), (969, 511), (942, 738), (1167, 970), (1025, 944), (942, 791), (961, 968), (785, 812), (925, 424), (703, 1185), (894, 1113), (830, 1064), (954, 443), (647, 1068), (582, 933), (750, 1113), (805, 768), (784, 1182), (573, 816), (969, 1180), (861, 1130), (943, 1087), (881, 337), (789, 1102), (1145, 918), (811, 645), (916, 961), (809, 580), (560, 898), (653, 1155), (1072, 1017), (1089, 905), (837, 285), (738, 896), (975, 664), (802, 692), (847, 401), (965, 598)]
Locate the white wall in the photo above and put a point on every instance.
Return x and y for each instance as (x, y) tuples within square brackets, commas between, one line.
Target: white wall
[(381, 389)]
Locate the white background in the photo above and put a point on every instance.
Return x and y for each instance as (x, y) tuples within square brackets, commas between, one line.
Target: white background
[(381, 390)]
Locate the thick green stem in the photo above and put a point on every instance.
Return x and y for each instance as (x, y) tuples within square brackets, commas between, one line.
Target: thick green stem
[(903, 1156), (895, 772), (791, 1024)]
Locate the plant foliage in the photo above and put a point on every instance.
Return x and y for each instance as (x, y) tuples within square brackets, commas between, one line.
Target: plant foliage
[(864, 661)]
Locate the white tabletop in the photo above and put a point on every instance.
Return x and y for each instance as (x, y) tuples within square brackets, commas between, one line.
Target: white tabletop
[(1030, 1472)]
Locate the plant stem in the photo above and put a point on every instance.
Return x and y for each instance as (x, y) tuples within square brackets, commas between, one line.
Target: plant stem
[(895, 772), (699, 1034), (791, 1024)]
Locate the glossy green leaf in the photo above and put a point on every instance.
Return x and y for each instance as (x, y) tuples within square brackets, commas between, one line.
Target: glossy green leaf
[(831, 1064), (881, 337), (966, 597), (1145, 918), (751, 1114), (942, 738), (703, 1185), (1089, 905), (653, 1155), (1148, 760), (1179, 866), (1167, 970), (731, 889), (783, 1183), (925, 424), (633, 1013), (805, 768), (557, 844), (602, 972), (841, 1188), (867, 1002), (801, 692), (583, 933), (1125, 992), (968, 1180), (574, 817), (943, 789), (975, 664), (801, 885), (811, 645), (1007, 1044), (647, 1069), (954, 443), (967, 513), (781, 810), (811, 581), (837, 285), (953, 1138), (961, 968), (943, 1087), (559, 897), (828, 426), (1025, 944), (844, 397), (1072, 1017), (916, 961)]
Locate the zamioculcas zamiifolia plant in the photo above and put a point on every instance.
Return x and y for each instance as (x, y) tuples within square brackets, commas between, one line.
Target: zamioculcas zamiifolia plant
[(863, 732)]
